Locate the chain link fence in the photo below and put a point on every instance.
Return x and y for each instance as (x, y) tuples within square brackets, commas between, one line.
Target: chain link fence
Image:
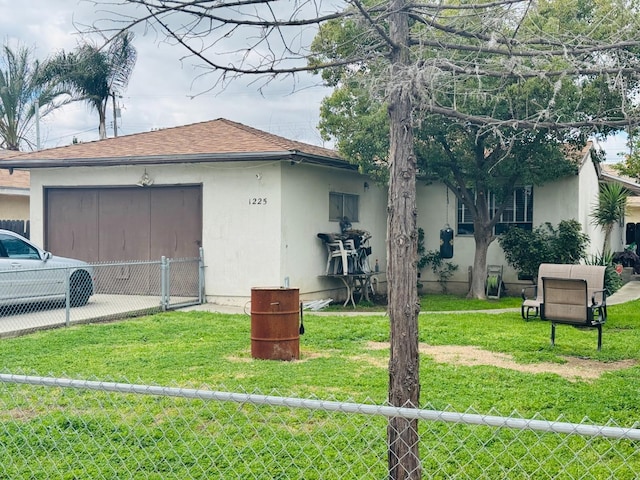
[(33, 299), (60, 428)]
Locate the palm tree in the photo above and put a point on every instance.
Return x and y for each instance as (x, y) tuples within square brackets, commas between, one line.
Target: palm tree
[(23, 92), (94, 74), (612, 203)]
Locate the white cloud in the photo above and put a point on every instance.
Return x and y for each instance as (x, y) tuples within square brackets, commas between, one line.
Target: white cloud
[(163, 90)]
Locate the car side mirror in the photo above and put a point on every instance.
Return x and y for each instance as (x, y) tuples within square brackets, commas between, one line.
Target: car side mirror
[(46, 256)]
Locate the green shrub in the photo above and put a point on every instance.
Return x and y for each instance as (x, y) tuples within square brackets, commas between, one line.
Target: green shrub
[(526, 250), (612, 280)]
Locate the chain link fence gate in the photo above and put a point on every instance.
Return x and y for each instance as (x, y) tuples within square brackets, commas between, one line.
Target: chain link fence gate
[(34, 299)]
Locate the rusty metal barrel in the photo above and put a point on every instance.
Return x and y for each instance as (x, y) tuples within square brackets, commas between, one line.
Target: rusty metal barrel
[(275, 328)]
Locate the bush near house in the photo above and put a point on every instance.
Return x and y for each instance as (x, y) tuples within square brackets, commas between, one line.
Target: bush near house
[(526, 250)]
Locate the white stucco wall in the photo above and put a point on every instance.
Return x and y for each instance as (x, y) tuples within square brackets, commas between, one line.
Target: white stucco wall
[(249, 242), (260, 219), (305, 213), (14, 206), (569, 198), (241, 238)]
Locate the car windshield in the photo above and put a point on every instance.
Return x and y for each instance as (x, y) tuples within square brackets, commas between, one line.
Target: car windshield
[(13, 247)]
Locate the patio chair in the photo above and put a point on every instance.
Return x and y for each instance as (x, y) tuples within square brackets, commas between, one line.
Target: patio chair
[(345, 252)]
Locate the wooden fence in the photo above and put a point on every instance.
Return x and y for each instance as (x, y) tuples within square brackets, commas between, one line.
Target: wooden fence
[(21, 227)]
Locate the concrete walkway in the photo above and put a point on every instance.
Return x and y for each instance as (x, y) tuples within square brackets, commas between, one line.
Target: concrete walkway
[(106, 307), (629, 291)]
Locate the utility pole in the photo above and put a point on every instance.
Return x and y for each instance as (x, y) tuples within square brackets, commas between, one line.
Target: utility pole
[(115, 119), (36, 112)]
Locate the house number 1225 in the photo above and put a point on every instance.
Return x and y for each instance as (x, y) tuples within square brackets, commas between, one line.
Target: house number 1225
[(258, 201)]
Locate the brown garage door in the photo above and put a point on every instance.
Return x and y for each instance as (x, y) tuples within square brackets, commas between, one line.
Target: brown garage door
[(124, 224)]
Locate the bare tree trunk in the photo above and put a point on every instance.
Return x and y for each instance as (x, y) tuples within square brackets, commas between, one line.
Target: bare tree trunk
[(483, 236), (479, 276), (607, 239), (402, 275)]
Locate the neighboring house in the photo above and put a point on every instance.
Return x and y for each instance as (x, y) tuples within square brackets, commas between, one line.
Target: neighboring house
[(610, 174), (14, 192), (255, 202)]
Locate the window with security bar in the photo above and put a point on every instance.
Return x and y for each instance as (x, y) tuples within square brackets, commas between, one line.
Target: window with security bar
[(518, 212)]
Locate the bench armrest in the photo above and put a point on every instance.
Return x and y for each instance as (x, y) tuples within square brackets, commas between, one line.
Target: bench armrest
[(603, 298), (525, 290)]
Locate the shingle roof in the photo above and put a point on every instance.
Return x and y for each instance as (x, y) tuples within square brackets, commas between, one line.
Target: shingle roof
[(216, 139), (609, 173), (18, 179)]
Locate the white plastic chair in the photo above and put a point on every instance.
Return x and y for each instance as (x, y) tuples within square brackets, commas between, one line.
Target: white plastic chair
[(342, 250)]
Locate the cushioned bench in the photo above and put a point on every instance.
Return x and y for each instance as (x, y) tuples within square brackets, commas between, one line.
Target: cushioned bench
[(533, 296), (568, 301)]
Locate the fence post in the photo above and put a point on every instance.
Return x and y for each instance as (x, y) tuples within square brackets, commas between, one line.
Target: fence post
[(164, 283), (67, 296), (201, 294)]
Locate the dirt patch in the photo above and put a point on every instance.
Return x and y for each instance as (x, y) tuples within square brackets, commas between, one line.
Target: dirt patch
[(573, 368)]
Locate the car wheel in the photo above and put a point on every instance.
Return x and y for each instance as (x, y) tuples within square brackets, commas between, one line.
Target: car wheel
[(81, 288)]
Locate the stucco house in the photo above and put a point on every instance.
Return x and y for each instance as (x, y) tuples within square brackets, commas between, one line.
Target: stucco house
[(14, 192), (610, 174), (254, 202), (571, 197)]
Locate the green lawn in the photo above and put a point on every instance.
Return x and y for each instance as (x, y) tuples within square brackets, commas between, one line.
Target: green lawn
[(435, 302), (342, 358), (214, 349)]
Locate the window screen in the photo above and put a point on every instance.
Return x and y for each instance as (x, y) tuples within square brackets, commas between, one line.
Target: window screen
[(343, 205)]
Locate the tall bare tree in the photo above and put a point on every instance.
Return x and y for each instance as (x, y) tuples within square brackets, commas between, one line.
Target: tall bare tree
[(423, 53)]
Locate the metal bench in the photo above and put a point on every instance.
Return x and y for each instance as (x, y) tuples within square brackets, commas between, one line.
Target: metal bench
[(532, 297), (568, 301)]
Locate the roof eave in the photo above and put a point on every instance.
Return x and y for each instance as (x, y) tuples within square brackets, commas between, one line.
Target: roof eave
[(292, 155), (628, 184)]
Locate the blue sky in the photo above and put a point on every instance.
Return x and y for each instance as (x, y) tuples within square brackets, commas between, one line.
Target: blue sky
[(615, 148)]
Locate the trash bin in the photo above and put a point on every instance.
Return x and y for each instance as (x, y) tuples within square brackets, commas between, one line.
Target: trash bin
[(275, 327)]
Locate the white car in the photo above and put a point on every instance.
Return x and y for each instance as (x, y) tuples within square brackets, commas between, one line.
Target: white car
[(29, 274)]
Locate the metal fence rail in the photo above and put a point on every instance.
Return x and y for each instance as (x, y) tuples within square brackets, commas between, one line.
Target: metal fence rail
[(64, 428), (32, 299)]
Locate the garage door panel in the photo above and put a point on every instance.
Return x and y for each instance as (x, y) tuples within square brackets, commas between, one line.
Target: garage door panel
[(72, 223), (124, 224), (176, 222)]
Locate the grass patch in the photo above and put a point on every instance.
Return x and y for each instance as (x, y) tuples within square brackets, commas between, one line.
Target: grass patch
[(436, 302), (447, 303), (45, 431)]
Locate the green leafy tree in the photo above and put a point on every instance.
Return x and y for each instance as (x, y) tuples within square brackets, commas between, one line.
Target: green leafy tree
[(612, 203), (630, 166), (94, 74), (478, 164), (24, 92)]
